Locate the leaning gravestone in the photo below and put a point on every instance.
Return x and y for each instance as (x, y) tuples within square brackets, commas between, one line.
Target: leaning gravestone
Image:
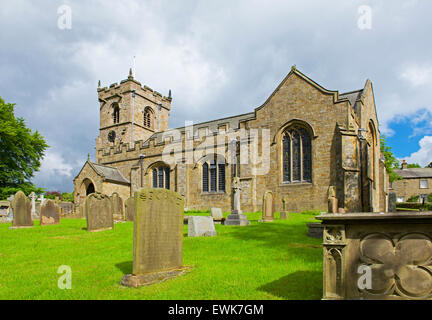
[(98, 211), (216, 214), (50, 213), (392, 202), (267, 207), (199, 226), (130, 209), (21, 207), (117, 204), (158, 237)]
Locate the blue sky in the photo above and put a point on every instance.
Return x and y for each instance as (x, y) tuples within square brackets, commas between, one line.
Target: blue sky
[(219, 58)]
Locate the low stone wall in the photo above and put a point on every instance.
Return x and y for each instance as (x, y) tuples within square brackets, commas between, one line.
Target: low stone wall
[(377, 256)]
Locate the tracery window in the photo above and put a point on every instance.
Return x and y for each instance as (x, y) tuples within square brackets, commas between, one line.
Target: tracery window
[(148, 121), (161, 177), (213, 176), (296, 155)]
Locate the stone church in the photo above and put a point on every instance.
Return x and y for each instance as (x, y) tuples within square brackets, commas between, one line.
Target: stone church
[(313, 138)]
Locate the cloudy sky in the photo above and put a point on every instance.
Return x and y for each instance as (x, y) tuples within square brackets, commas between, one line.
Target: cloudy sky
[(219, 58)]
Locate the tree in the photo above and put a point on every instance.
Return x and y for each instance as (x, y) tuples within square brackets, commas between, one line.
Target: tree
[(21, 151), (390, 161), (413, 165)]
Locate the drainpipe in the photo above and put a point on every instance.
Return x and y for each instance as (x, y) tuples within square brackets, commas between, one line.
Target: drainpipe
[(361, 139), (141, 164)]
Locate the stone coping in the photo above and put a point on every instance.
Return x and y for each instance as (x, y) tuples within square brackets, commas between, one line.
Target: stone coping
[(389, 217)]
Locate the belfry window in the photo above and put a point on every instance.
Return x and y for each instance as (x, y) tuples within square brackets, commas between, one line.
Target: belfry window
[(161, 177), (116, 114), (148, 115), (213, 176), (296, 155)]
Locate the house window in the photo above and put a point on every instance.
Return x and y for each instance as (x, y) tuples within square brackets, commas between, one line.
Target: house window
[(400, 199), (161, 177), (296, 155), (423, 184), (148, 115), (391, 185), (423, 197), (116, 114), (213, 177)]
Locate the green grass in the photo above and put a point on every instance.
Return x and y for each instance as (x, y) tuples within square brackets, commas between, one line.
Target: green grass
[(262, 261)]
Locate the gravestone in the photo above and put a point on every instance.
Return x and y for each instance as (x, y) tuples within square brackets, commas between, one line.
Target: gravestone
[(200, 226), (284, 215), (267, 207), (158, 237), (33, 197), (98, 212), (117, 204), (217, 215), (392, 202), (50, 213), (130, 209), (332, 200), (21, 207), (236, 218)]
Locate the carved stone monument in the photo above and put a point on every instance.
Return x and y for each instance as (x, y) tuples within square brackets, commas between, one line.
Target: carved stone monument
[(217, 215), (236, 218), (117, 204), (21, 207), (50, 213), (98, 211), (267, 207), (370, 256), (332, 200), (200, 226), (158, 237), (284, 215), (130, 209), (33, 197)]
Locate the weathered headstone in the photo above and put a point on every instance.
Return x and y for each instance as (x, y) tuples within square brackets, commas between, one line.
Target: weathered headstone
[(21, 207), (332, 200), (236, 218), (392, 202), (284, 215), (117, 204), (200, 226), (267, 207), (50, 213), (158, 237), (130, 209), (217, 215), (99, 212)]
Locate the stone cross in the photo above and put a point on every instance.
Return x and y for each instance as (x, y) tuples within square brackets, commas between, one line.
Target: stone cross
[(284, 215), (236, 196), (42, 199), (32, 196), (236, 218)]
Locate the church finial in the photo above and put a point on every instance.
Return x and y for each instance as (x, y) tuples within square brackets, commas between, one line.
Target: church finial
[(130, 74), (88, 157), (169, 94), (294, 68), (99, 84)]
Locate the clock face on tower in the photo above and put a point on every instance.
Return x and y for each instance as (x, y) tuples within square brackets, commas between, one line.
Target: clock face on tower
[(111, 136)]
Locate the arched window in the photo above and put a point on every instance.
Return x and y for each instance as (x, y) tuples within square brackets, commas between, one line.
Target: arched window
[(161, 177), (373, 141), (213, 176), (148, 118), (116, 114), (296, 155)]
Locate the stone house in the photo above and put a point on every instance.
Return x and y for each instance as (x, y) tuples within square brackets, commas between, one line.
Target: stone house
[(299, 142), (414, 182)]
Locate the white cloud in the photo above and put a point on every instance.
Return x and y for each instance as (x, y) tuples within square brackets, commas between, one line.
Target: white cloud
[(54, 164), (424, 155), (417, 75)]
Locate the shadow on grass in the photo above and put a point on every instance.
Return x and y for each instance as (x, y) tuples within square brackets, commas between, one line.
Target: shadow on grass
[(125, 267), (292, 286)]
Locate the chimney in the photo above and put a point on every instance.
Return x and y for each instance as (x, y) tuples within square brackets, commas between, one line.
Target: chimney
[(404, 165)]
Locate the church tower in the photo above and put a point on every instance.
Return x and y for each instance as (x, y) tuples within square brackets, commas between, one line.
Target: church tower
[(130, 112)]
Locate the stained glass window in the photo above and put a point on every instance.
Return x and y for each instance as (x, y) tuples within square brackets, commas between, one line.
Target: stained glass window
[(296, 155), (213, 174)]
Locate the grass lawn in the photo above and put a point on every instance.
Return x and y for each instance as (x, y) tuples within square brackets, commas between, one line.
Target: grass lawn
[(262, 261)]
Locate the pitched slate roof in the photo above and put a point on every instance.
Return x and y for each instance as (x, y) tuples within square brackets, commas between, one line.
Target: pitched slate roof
[(411, 173), (110, 173)]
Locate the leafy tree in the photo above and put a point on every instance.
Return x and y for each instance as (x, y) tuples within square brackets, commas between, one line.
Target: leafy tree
[(52, 194), (390, 161), (21, 151), (69, 197), (413, 165)]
